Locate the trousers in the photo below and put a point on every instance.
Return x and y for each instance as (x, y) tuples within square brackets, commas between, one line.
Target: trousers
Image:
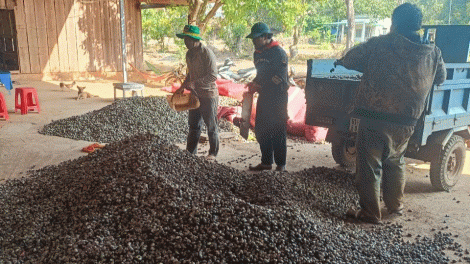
[(206, 113), (271, 137), (380, 162)]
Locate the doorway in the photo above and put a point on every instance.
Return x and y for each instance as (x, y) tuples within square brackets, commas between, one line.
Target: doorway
[(8, 41)]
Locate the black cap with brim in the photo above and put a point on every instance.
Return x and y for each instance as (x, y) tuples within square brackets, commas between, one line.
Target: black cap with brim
[(259, 29), (256, 35)]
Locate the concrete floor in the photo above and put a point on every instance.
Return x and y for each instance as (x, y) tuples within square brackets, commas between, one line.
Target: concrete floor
[(22, 148)]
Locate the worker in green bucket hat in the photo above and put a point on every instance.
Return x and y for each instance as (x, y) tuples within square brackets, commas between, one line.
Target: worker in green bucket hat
[(202, 73), (190, 31)]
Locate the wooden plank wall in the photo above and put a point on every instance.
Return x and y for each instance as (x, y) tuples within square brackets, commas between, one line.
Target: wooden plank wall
[(51, 28), (116, 31), (7, 4), (23, 44), (75, 36)]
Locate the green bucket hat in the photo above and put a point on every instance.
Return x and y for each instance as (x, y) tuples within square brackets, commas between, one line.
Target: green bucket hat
[(258, 29), (190, 31)]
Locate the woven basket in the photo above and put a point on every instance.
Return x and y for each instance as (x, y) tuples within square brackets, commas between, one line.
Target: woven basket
[(183, 101)]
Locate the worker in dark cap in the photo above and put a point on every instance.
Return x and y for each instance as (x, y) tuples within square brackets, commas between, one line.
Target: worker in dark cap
[(399, 71), (271, 83), (202, 73)]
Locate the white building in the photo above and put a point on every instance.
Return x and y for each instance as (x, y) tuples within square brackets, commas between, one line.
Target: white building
[(365, 28)]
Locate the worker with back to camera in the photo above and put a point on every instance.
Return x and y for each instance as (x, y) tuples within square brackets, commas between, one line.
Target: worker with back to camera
[(399, 71), (271, 83), (202, 73)]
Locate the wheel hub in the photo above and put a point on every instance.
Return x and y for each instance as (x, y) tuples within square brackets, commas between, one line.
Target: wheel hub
[(452, 166), (452, 163)]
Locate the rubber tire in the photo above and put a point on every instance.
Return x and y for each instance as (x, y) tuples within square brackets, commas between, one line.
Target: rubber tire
[(340, 154), (440, 180)]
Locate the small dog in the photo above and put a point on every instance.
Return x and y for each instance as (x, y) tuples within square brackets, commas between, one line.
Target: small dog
[(69, 86), (82, 94)]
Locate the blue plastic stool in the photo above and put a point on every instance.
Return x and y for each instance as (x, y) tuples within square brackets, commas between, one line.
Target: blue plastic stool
[(5, 79)]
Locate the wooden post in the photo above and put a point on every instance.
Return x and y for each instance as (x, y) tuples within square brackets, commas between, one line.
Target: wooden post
[(363, 33), (351, 24), (123, 40)]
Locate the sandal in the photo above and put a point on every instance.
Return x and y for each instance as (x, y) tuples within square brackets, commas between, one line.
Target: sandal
[(361, 215), (260, 167), (88, 149), (397, 212), (98, 145), (210, 157)]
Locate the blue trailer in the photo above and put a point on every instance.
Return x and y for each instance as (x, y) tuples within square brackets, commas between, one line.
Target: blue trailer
[(442, 130)]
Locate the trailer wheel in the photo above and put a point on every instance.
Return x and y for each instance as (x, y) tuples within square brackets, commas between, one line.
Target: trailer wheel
[(344, 151), (447, 167)]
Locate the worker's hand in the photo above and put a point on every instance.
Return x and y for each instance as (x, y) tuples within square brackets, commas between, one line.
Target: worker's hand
[(337, 62), (253, 87), (179, 90), (188, 85), (191, 86)]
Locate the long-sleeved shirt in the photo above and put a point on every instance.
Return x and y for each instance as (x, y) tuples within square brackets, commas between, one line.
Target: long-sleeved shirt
[(271, 74), (398, 76), (202, 70)]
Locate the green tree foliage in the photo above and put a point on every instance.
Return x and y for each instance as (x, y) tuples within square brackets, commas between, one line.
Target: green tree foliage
[(431, 9), (294, 17), (459, 14), (468, 10), (378, 9), (335, 10), (240, 11), (280, 14), (233, 30), (201, 12), (436, 12), (289, 13), (160, 23), (233, 36)]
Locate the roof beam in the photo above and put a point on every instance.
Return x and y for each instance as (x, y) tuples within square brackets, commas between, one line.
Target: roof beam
[(148, 6), (164, 2)]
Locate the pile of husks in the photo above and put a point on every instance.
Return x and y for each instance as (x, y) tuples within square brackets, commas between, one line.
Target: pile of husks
[(126, 118), (142, 200)]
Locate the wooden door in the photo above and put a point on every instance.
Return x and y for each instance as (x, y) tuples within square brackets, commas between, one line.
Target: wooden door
[(8, 41)]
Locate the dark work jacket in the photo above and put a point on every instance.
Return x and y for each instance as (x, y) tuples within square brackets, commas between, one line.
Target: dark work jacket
[(398, 76), (271, 66)]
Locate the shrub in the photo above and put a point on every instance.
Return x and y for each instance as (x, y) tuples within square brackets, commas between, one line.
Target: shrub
[(234, 38)]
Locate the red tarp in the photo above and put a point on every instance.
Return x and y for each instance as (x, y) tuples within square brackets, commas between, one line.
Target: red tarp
[(296, 108)]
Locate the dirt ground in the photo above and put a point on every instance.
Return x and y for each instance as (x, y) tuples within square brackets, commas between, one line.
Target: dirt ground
[(22, 148)]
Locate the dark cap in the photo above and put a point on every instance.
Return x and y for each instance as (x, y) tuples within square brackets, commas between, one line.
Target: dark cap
[(407, 18), (258, 30)]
